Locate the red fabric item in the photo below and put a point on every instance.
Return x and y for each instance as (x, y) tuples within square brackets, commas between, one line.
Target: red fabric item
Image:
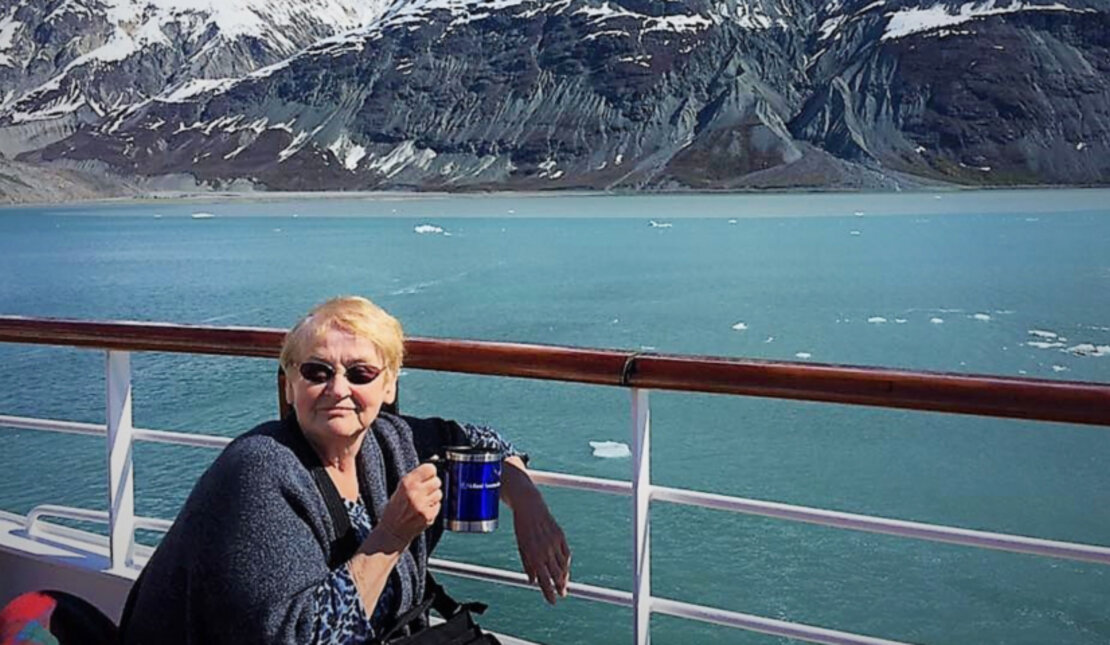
[(26, 620)]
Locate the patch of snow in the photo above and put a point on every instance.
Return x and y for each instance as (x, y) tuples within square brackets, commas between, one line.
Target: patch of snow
[(606, 32), (912, 21), (194, 87), (294, 146), (404, 155), (348, 153), (9, 26), (830, 26)]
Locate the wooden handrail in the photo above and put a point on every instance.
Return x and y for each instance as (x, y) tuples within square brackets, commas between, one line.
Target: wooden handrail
[(1067, 401)]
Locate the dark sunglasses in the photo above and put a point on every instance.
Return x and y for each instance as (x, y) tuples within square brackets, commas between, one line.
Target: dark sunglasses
[(316, 372)]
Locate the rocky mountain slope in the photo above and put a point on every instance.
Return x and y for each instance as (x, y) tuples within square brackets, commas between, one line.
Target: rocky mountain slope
[(519, 94)]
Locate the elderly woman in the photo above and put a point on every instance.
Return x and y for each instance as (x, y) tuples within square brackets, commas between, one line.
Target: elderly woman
[(254, 556)]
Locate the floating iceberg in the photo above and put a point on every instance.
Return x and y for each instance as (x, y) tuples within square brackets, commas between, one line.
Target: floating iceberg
[(424, 229), (876, 320), (740, 326), (1089, 349), (1040, 344), (983, 317), (937, 321), (202, 215), (610, 449), (1042, 334), (804, 355), (655, 224)]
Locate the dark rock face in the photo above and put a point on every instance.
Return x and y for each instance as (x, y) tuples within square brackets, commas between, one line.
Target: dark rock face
[(638, 94)]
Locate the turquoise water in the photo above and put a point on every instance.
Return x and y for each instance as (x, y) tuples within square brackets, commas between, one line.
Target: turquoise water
[(803, 277)]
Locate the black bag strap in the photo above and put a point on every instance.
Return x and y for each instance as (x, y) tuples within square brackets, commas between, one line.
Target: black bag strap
[(346, 541), (444, 604)]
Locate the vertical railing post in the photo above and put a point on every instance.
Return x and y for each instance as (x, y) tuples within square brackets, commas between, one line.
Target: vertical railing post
[(121, 487), (641, 522)]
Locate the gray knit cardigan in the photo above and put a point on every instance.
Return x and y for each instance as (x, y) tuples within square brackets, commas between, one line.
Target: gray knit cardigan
[(253, 541)]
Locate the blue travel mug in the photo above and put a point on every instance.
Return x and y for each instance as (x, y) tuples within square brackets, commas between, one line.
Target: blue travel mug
[(472, 488)]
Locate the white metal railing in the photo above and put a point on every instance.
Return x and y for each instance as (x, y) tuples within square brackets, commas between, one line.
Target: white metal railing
[(122, 521)]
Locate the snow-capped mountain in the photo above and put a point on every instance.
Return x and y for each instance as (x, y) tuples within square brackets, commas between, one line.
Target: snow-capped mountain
[(527, 94), (64, 63)]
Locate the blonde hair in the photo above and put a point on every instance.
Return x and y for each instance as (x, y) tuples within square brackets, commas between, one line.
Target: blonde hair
[(351, 314)]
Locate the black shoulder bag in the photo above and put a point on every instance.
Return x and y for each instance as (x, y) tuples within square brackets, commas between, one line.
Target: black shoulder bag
[(459, 627)]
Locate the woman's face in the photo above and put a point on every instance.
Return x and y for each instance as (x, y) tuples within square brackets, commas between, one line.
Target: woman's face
[(337, 409)]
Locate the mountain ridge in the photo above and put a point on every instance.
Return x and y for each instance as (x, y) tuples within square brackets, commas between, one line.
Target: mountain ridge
[(637, 94)]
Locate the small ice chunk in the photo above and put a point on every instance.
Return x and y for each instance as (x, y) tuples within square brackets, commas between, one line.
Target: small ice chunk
[(424, 229), (610, 449), (876, 320), (858, 213), (1042, 333), (804, 355), (854, 233), (937, 321), (769, 339), (900, 321), (1059, 368), (740, 326), (732, 221), (1089, 349), (1040, 344), (983, 317)]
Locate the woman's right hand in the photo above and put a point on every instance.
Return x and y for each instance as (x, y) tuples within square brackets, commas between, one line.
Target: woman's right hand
[(413, 506)]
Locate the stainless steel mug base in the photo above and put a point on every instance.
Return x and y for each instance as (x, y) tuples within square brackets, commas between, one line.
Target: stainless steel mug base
[(484, 526)]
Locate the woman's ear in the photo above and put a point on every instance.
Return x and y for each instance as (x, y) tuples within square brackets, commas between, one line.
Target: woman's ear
[(288, 389), (391, 390)]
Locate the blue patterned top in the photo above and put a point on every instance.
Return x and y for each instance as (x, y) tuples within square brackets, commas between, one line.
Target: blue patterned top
[(341, 618)]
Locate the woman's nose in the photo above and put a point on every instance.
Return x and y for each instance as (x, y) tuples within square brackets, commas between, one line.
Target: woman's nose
[(339, 385)]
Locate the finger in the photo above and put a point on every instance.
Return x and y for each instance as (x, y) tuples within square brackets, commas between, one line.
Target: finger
[(526, 565), (564, 548), (564, 578), (546, 585), (559, 576), (424, 472)]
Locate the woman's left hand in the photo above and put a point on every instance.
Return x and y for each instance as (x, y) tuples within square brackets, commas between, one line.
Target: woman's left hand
[(543, 548)]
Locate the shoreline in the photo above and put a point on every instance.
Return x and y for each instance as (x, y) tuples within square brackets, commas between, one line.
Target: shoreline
[(202, 197)]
